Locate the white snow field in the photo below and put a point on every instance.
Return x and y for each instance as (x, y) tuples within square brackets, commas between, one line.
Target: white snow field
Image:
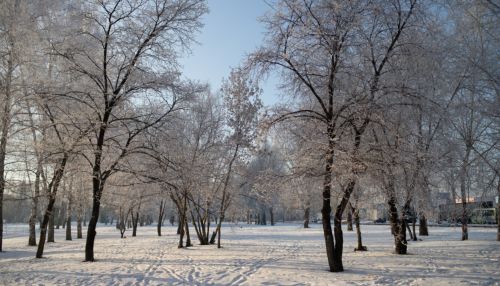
[(254, 255)]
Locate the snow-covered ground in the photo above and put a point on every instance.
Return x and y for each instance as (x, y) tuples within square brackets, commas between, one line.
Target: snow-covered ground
[(254, 255)]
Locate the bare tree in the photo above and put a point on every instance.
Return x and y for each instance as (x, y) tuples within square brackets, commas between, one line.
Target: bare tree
[(330, 31), (121, 50), (9, 58), (242, 102)]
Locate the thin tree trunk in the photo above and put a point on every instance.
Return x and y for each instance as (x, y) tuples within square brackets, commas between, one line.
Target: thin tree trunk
[(179, 224), (422, 228), (414, 222), (271, 213), (79, 226), (349, 220), (32, 223), (34, 205), (307, 214), (498, 209), (135, 222), (68, 218), (52, 191), (263, 218), (91, 231), (188, 237), (160, 218), (409, 230), (180, 227), (43, 227), (327, 209), (84, 217), (57, 219), (50, 237), (62, 221), (358, 231), (463, 193), (225, 197), (214, 234), (6, 118), (337, 231)]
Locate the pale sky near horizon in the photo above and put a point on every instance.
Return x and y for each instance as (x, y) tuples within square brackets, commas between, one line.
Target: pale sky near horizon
[(232, 31)]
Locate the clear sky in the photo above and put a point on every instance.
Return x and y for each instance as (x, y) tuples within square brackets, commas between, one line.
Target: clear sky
[(231, 32)]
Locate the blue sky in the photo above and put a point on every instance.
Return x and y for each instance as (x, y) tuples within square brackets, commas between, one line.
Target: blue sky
[(231, 31)]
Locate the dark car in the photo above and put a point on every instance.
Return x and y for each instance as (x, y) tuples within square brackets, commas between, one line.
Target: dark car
[(380, 220)]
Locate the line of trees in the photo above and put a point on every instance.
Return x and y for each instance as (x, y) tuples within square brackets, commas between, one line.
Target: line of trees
[(397, 93), (395, 99)]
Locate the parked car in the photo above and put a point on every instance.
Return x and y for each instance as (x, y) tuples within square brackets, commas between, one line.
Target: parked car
[(380, 220)]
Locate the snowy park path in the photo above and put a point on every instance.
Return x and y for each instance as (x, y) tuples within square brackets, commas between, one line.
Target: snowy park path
[(255, 255)]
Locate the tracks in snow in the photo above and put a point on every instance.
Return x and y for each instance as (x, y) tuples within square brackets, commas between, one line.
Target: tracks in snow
[(247, 267), (161, 263)]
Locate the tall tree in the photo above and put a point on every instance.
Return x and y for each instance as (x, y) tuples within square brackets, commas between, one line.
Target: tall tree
[(126, 50), (242, 103), (314, 44)]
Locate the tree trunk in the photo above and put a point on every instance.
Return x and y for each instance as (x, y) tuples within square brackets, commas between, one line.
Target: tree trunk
[(349, 220), (271, 214), (180, 227), (84, 217), (409, 230), (225, 197), (214, 233), (38, 172), (135, 221), (498, 209), (212, 238), (43, 226), (403, 246), (79, 226), (339, 244), (68, 218), (160, 218), (181, 236), (49, 211), (358, 231), (188, 237), (400, 238), (326, 208), (50, 237), (32, 221), (307, 213), (413, 223), (58, 219), (337, 231), (6, 118), (463, 193), (398, 228), (98, 182), (121, 223), (422, 228), (91, 230)]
